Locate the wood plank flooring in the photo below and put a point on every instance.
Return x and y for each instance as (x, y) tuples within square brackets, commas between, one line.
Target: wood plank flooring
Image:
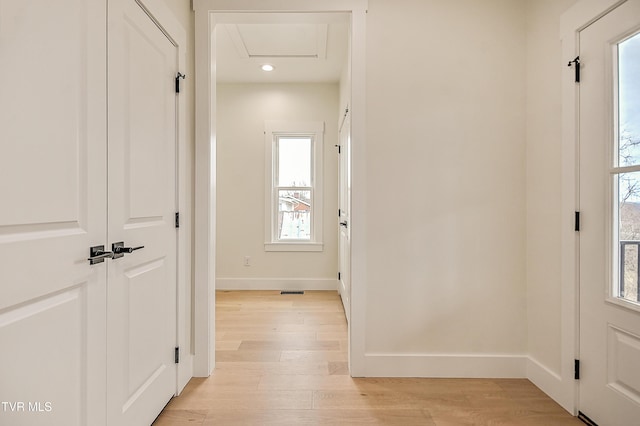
[(282, 360)]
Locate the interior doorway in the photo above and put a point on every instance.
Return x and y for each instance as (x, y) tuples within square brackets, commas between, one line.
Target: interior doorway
[(277, 148), (208, 15)]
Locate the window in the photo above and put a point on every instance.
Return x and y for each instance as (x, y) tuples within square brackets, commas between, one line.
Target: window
[(293, 191), (626, 172)]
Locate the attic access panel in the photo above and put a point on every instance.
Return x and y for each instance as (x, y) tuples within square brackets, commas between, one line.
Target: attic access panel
[(279, 40)]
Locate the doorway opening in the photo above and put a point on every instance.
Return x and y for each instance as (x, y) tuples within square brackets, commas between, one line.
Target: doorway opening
[(282, 85), (210, 15)]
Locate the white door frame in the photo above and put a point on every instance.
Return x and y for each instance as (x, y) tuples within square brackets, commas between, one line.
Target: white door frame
[(205, 183), (581, 15), (166, 20)]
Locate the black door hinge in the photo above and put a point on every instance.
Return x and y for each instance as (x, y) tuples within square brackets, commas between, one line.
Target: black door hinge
[(177, 355), (339, 276), (339, 149), (339, 212), (576, 369), (577, 222), (177, 219), (576, 64), (178, 77), (585, 419)]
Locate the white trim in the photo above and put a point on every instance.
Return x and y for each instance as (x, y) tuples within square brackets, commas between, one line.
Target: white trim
[(315, 131), (581, 15), (625, 169), (204, 295), (325, 284), (445, 365), (165, 18), (549, 382), (302, 246), (305, 127), (572, 22), (205, 200)]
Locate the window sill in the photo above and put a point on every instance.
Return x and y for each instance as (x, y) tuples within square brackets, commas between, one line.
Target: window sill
[(291, 246)]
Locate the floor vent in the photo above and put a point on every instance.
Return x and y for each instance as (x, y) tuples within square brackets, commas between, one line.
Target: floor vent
[(291, 292)]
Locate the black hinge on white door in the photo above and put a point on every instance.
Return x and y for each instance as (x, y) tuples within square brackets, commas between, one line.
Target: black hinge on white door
[(177, 355), (585, 419), (339, 149), (577, 222), (339, 276), (576, 65), (177, 219), (178, 77), (576, 369)]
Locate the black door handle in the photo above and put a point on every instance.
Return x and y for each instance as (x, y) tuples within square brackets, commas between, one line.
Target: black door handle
[(98, 255), (119, 250), (345, 224)]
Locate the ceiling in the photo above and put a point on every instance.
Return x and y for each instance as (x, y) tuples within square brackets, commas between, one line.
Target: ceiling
[(303, 47)]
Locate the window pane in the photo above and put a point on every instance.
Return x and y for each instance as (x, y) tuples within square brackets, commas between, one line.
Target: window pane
[(294, 161), (628, 234), (294, 215), (629, 101)]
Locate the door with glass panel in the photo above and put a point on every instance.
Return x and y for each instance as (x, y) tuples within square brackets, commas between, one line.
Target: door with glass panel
[(610, 230)]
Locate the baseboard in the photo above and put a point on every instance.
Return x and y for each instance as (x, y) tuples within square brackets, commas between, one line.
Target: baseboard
[(276, 284), (185, 371), (442, 365), (550, 383)]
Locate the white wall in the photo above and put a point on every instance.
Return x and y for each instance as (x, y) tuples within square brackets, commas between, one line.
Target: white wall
[(463, 177), (544, 149), (345, 85), (545, 69), (446, 168), (242, 111)]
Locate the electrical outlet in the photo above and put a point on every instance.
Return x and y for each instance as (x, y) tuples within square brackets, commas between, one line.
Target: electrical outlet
[(247, 261)]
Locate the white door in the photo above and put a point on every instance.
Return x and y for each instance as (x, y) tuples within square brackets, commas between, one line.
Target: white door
[(344, 285), (141, 303), (53, 198), (610, 223)]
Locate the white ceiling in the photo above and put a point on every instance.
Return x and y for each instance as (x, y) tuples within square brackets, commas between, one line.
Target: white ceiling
[(303, 47)]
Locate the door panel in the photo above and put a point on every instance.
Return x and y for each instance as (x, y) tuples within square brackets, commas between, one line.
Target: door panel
[(28, 122), (344, 285), (142, 204), (53, 192), (56, 340), (609, 325)]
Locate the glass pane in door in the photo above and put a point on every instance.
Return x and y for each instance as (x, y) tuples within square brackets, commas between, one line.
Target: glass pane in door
[(629, 102), (628, 186)]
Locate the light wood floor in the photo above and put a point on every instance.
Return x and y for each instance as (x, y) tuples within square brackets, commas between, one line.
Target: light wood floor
[(282, 360)]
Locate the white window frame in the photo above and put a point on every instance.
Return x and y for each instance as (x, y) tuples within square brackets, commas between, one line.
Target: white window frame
[(273, 131)]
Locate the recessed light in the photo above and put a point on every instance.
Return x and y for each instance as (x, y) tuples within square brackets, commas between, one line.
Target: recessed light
[(267, 67)]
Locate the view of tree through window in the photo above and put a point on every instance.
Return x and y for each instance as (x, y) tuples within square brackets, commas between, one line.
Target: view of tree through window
[(629, 156)]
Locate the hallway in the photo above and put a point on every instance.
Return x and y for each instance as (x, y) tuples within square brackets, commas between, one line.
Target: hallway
[(282, 360)]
